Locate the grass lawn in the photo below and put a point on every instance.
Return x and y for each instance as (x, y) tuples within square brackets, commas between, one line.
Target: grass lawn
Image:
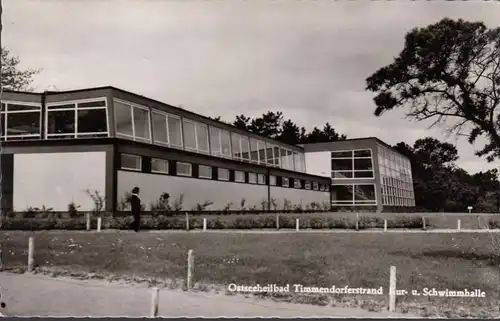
[(441, 261)]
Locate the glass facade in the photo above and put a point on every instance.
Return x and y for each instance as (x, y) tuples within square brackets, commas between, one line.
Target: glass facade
[(395, 177), (88, 118), (352, 164), (353, 194)]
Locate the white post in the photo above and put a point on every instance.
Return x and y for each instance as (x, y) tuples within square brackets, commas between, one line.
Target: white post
[(297, 225), (99, 223), (190, 271), (204, 224), (153, 309), (357, 221), (458, 224), (392, 290), (87, 215), (187, 222), (479, 222), (423, 223), (385, 225), (277, 221), (31, 253)]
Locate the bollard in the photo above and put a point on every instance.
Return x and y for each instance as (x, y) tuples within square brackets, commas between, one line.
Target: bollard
[(31, 253), (190, 271), (277, 222), (87, 216), (479, 222), (357, 221), (204, 224), (385, 225), (458, 225), (423, 223), (187, 222), (297, 225), (392, 290), (153, 309), (99, 224)]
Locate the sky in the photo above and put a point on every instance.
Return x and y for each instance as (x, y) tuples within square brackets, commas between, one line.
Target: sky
[(308, 59)]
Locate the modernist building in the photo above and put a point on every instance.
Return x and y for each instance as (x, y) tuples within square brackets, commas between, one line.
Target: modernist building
[(365, 173), (58, 145)]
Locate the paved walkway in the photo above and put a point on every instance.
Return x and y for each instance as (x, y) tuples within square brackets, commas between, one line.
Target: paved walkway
[(39, 295)]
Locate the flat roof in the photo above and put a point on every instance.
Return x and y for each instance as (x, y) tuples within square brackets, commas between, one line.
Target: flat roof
[(181, 110), (372, 138)]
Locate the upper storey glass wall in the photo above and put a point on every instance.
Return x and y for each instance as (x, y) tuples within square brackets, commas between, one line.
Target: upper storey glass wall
[(396, 178), (133, 122)]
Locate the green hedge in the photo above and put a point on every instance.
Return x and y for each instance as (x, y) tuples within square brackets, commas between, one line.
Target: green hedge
[(249, 221)]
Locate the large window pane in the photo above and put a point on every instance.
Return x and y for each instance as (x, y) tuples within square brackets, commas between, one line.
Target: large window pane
[(289, 156), (174, 131), (61, 122), (363, 153), (202, 137), (342, 194), (262, 151), (342, 174), (342, 154), (245, 147), (225, 142), (269, 154), (141, 123), (132, 162), (364, 193), (363, 164), (160, 133), (296, 161), (276, 151), (189, 130), (254, 154), (283, 159), (23, 124), (235, 145), (123, 118), (92, 121), (342, 164), (2, 124), (215, 141)]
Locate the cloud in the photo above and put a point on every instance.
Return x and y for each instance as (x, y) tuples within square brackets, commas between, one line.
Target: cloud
[(308, 59)]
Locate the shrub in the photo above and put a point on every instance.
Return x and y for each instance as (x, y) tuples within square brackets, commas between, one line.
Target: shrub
[(162, 205), (73, 209), (178, 203)]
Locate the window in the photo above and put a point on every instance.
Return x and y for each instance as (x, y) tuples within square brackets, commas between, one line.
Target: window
[(252, 178), (226, 143), (276, 152), (223, 174), (352, 164), (132, 121), (166, 129), (261, 179), (296, 183), (215, 141), (202, 137), (285, 182), (272, 180), (355, 194), (132, 162), (269, 154), (77, 119), (21, 120), (189, 130), (204, 171), (239, 176), (261, 147), (307, 185), (254, 147), (245, 147), (184, 169), (159, 166), (315, 186), (235, 145), (321, 187)]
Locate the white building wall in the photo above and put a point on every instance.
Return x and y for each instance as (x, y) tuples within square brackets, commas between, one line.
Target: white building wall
[(56, 179), (318, 163)]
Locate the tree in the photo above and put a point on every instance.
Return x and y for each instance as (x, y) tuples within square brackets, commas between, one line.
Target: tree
[(433, 153), (12, 77), (449, 70)]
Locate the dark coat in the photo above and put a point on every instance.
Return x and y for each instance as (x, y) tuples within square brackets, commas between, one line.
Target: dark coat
[(135, 202)]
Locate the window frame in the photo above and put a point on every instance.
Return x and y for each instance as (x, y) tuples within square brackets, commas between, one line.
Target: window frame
[(250, 176), (130, 168), (353, 171), (225, 170), (261, 179), (157, 171), (37, 107), (205, 176), (354, 202), (167, 128), (131, 107), (283, 180), (76, 102), (190, 166), (239, 180)]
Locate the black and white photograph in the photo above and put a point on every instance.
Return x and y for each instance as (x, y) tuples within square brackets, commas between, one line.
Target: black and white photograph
[(256, 159)]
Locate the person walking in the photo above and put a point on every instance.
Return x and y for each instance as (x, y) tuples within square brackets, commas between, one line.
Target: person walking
[(136, 209)]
